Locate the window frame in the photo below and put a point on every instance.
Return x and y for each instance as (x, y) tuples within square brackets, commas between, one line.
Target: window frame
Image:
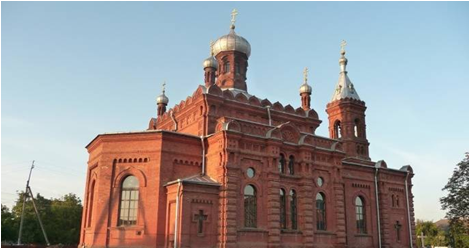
[(361, 221), (129, 204), (250, 207), (293, 209), (320, 212)]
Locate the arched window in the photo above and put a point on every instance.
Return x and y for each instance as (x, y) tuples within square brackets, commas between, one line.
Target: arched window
[(337, 129), (282, 164), (91, 196), (227, 67), (282, 200), (237, 68), (250, 206), (356, 128), (397, 201), (129, 201), (293, 209), (360, 216), (321, 212), (291, 165)]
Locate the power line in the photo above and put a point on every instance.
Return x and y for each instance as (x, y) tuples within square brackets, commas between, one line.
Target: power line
[(55, 166), (57, 172), (15, 163), (9, 193), (13, 171)]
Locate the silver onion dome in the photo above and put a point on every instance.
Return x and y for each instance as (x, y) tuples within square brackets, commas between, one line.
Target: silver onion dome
[(232, 42), (162, 98), (210, 62), (305, 88)]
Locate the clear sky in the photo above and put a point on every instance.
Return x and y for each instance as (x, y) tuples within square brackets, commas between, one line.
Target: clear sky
[(72, 70)]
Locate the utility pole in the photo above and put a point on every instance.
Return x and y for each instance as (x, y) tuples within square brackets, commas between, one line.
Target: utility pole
[(25, 197)]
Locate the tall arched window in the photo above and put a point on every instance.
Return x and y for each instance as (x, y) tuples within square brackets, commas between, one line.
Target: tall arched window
[(356, 128), (360, 216), (337, 129), (282, 164), (282, 200), (129, 201), (291, 165), (293, 209), (237, 68), (321, 212), (91, 196), (250, 206), (227, 67)]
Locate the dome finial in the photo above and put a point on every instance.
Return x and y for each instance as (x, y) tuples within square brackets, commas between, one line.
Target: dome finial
[(211, 47), (211, 61), (343, 44), (163, 87), (234, 18), (305, 88), (344, 88), (162, 98), (305, 75), (343, 61)]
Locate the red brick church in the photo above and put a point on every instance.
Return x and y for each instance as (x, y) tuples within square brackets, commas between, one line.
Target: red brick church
[(225, 168)]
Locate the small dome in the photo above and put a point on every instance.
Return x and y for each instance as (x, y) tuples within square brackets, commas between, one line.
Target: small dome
[(232, 42), (210, 62), (305, 88), (162, 99)]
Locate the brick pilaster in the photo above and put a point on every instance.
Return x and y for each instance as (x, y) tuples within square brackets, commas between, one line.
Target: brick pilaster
[(340, 210), (274, 219), (306, 206)]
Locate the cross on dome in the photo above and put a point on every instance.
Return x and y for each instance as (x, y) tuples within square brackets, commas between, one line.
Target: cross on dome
[(305, 75), (343, 44), (234, 17)]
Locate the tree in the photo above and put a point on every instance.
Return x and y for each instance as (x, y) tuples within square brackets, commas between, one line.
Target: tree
[(9, 226), (61, 218), (456, 204), (65, 220), (432, 233), (32, 233), (457, 236)]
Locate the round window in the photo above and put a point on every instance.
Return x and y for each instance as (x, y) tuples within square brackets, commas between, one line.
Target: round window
[(250, 172), (319, 181)]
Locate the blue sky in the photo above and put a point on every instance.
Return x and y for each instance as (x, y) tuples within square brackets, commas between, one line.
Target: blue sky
[(72, 70)]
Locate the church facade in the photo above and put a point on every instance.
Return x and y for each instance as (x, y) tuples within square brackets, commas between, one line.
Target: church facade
[(224, 168)]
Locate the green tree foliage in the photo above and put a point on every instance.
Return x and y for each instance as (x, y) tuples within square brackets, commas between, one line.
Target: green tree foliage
[(456, 204), (457, 235), (67, 213), (31, 230), (434, 236), (61, 218), (9, 226), (456, 201)]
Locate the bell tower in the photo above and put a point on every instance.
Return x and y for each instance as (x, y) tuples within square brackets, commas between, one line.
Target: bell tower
[(346, 114), (210, 69), (231, 52)]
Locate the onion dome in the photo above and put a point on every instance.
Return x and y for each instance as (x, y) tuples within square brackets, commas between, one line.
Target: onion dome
[(162, 98), (211, 61), (232, 41), (305, 87)]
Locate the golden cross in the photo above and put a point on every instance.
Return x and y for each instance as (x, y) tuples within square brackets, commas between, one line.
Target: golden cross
[(343, 44), (212, 45), (234, 16), (163, 86), (305, 75)]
